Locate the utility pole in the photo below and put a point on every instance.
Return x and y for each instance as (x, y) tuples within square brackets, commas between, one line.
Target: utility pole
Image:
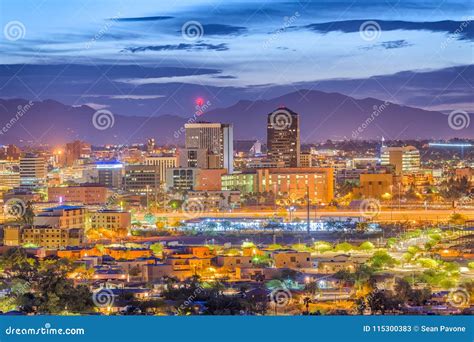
[(307, 210)]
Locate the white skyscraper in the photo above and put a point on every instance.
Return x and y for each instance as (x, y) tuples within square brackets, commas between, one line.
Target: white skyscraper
[(216, 138)]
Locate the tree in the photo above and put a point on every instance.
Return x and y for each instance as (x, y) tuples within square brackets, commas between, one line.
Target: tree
[(381, 301), (457, 219), (407, 294), (29, 214), (307, 301), (454, 189), (381, 259), (344, 247), (345, 188), (311, 288), (49, 290), (362, 227), (366, 246), (322, 246), (157, 248)]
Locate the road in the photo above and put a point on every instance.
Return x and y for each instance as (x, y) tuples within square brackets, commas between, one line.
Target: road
[(384, 215)]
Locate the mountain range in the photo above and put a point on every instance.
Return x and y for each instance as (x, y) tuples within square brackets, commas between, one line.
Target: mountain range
[(322, 116)]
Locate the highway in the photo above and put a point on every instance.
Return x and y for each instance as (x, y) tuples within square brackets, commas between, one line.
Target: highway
[(384, 215)]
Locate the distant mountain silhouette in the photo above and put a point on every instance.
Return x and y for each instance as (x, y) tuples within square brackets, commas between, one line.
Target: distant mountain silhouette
[(322, 116)]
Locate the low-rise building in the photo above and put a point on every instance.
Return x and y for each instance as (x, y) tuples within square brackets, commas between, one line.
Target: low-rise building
[(116, 220), (86, 194), (340, 262), (234, 261), (209, 179), (216, 200), (293, 184), (63, 216), (375, 185), (290, 259), (43, 236)]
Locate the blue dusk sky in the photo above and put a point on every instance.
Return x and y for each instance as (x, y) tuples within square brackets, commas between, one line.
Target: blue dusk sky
[(133, 55)]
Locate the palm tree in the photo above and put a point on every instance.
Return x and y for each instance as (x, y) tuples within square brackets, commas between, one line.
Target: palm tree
[(307, 301)]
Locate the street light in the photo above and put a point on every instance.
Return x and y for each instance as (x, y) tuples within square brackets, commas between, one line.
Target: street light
[(291, 210)]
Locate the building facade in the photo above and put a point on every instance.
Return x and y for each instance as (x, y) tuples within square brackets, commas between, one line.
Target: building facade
[(63, 216), (181, 179), (375, 185), (283, 137), (163, 162), (217, 139), (32, 171), (110, 174), (293, 185), (85, 194), (43, 236), (405, 159), (141, 179), (116, 220)]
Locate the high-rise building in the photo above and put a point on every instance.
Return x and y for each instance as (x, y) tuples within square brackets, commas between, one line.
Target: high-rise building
[(283, 137), (32, 171), (194, 157), (110, 174), (217, 139), (13, 152), (163, 162), (141, 179), (9, 180), (150, 145), (306, 159), (181, 179), (405, 159), (76, 150)]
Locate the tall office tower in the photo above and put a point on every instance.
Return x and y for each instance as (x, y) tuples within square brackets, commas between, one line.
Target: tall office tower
[(140, 179), (32, 171), (283, 137), (163, 162), (76, 150), (217, 139), (405, 159), (110, 173), (150, 145), (193, 157), (13, 152)]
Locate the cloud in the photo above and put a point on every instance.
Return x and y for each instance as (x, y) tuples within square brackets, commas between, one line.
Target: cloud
[(394, 44), (220, 29), (462, 29), (391, 44), (225, 77), (179, 47), (95, 106), (91, 73), (127, 97), (138, 19)]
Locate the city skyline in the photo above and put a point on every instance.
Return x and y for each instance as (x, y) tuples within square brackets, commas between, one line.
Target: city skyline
[(138, 61), (237, 158)]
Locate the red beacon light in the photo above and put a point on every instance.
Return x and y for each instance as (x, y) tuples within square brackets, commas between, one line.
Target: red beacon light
[(200, 101)]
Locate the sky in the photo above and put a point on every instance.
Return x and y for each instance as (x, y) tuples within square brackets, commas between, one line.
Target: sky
[(132, 56)]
